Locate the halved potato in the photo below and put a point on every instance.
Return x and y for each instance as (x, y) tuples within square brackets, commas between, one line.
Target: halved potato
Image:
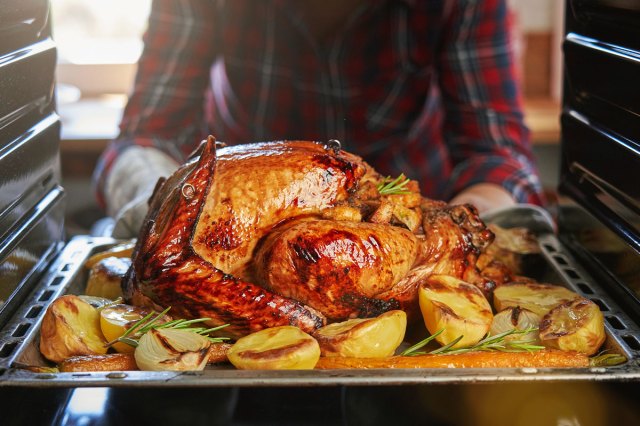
[(459, 308), (577, 325), (105, 277), (363, 337), (124, 249), (116, 319), (538, 298), (70, 327), (277, 348)]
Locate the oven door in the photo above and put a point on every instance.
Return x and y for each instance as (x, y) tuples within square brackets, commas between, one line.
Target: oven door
[(600, 166)]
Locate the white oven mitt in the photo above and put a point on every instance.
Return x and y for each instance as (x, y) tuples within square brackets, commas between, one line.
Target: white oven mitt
[(130, 184)]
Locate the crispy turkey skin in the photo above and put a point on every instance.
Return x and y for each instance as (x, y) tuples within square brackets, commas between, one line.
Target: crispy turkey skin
[(292, 233)]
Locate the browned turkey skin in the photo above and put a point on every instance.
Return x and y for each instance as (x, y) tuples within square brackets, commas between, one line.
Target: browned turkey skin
[(281, 233), (338, 267)]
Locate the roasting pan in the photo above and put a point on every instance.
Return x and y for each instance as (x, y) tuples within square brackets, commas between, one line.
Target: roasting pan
[(19, 338)]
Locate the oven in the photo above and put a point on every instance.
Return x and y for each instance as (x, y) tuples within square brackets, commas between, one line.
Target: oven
[(591, 244)]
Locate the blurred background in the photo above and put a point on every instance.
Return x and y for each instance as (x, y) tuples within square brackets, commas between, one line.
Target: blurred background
[(99, 43)]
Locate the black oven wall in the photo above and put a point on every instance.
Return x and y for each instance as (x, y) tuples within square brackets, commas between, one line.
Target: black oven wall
[(31, 197), (600, 164)]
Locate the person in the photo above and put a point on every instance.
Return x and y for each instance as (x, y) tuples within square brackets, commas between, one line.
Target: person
[(425, 88)]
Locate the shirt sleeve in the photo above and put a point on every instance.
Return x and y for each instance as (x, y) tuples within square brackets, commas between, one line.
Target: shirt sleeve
[(484, 124), (165, 107)]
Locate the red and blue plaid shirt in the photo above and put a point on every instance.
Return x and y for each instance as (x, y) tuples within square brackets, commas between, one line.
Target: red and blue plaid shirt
[(426, 88)]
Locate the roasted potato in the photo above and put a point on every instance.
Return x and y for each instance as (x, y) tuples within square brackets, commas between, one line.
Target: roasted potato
[(108, 362), (124, 249), (105, 277), (511, 246), (459, 308), (70, 327), (577, 325), (363, 337), (538, 298), (277, 348)]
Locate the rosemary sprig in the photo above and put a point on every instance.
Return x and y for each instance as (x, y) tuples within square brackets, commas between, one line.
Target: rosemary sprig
[(413, 350), (446, 347), (495, 343), (389, 186), (150, 322), (489, 343)]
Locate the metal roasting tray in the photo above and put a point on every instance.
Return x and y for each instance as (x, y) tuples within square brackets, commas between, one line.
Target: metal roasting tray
[(19, 338)]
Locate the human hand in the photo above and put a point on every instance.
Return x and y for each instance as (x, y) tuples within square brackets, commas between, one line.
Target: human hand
[(130, 185), (485, 197), (128, 221)]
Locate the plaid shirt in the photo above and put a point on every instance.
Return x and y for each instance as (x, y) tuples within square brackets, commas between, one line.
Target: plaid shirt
[(426, 88)]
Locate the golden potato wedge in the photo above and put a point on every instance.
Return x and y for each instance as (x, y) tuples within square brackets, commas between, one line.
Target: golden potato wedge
[(519, 319), (577, 325), (457, 307), (105, 277), (277, 348), (70, 327), (108, 362), (124, 249), (363, 337), (538, 298)]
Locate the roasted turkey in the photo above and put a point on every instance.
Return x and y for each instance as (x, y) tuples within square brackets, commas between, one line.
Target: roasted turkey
[(294, 233)]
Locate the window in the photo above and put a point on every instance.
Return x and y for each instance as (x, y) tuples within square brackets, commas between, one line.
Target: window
[(99, 43)]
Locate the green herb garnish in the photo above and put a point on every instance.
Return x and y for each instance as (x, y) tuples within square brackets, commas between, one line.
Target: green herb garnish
[(495, 343), (149, 322), (446, 347), (389, 186), (413, 350), (489, 343)]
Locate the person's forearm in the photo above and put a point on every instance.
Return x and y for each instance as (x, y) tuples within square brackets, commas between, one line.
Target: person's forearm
[(485, 197), (484, 125)]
